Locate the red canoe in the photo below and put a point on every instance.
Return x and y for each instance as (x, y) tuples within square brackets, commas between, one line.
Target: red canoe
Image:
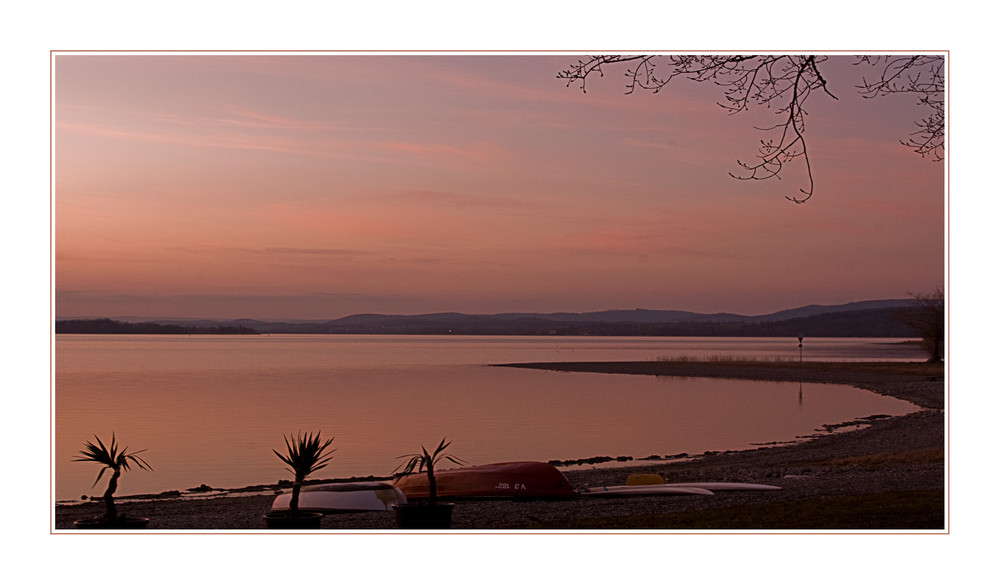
[(521, 479)]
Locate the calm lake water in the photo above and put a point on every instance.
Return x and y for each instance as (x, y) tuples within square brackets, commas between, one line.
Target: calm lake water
[(209, 409)]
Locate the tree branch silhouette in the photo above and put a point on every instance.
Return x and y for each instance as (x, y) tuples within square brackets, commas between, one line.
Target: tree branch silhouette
[(922, 76), (782, 83)]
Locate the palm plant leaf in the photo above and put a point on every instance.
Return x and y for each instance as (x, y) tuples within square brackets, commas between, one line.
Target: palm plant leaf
[(306, 454), (134, 458), (455, 460), (422, 460), (419, 461), (99, 454), (439, 454), (110, 457), (408, 466)]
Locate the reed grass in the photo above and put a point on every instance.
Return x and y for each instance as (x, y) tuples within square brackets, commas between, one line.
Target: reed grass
[(725, 359)]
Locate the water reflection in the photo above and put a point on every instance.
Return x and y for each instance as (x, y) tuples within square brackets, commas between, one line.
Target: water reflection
[(210, 410)]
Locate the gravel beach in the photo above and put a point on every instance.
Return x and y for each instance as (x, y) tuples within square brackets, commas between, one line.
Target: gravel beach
[(896, 456)]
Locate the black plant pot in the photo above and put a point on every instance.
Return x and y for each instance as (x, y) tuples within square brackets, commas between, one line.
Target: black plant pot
[(290, 521), (124, 523), (423, 515)]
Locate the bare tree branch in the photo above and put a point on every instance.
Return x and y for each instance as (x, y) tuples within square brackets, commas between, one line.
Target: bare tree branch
[(919, 75), (782, 83)]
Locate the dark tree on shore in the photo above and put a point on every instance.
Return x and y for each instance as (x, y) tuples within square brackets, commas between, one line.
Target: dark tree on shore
[(783, 84), (926, 317)]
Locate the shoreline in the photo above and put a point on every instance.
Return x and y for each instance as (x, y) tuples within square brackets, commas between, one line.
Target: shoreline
[(886, 378), (887, 456)]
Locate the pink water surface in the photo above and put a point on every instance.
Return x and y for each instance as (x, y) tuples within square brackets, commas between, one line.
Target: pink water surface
[(210, 409)]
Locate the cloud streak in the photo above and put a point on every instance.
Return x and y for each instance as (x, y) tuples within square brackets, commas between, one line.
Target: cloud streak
[(460, 183)]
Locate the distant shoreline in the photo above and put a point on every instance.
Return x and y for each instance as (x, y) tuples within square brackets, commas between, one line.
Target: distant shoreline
[(112, 327), (857, 319)]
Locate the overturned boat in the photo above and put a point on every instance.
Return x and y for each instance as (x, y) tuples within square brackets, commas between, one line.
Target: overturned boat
[(523, 480), (335, 498)]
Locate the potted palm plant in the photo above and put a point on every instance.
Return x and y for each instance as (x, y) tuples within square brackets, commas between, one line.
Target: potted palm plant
[(432, 513), (110, 457), (303, 456)]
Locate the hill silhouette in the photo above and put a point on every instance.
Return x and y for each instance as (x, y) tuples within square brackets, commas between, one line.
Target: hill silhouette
[(858, 319)]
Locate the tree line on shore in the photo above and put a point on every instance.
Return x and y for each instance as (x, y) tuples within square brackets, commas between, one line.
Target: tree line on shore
[(110, 326)]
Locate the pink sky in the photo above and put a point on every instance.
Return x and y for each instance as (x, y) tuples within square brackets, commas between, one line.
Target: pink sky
[(313, 187)]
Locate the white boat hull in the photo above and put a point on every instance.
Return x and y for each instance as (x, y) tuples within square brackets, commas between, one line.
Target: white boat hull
[(335, 498), (625, 491), (721, 486)]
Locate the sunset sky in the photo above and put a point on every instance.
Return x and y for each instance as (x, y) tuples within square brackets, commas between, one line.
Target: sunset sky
[(245, 186), (292, 186)]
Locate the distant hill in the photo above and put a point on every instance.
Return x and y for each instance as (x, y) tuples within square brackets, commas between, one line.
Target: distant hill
[(812, 310), (857, 319)]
